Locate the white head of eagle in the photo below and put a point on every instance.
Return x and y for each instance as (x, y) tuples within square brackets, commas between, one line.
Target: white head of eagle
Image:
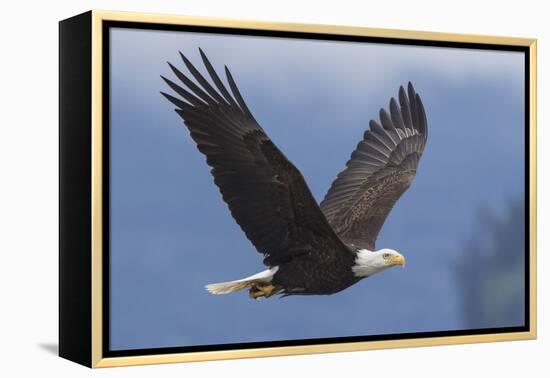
[(309, 248), (368, 262)]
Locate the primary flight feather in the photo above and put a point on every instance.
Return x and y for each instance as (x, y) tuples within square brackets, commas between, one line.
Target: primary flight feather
[(308, 248)]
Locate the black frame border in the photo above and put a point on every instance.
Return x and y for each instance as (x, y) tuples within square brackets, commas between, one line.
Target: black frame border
[(75, 197), (107, 25)]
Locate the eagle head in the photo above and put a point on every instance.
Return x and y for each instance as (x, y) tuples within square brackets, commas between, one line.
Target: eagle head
[(391, 257), (368, 262)]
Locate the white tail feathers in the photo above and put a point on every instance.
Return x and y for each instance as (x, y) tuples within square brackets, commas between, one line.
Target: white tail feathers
[(227, 287), (244, 283)]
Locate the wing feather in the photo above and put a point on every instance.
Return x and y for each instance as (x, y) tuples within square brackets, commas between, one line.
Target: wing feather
[(379, 171), (266, 194)]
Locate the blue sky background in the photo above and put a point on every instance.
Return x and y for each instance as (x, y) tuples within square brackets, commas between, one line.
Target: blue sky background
[(171, 233)]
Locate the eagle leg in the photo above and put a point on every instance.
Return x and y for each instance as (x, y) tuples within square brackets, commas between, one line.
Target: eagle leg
[(266, 290)]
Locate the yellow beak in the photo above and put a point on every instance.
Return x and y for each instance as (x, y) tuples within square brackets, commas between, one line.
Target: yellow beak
[(398, 260)]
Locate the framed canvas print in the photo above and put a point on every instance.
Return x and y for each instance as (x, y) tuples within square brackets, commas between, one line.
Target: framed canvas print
[(235, 189)]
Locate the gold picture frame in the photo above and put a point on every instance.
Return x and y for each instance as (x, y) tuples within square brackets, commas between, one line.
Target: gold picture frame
[(88, 328)]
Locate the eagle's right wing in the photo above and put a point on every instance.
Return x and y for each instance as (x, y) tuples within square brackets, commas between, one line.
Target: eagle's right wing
[(265, 192), (379, 171)]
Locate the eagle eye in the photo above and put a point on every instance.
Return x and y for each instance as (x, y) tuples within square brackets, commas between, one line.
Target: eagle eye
[(386, 256)]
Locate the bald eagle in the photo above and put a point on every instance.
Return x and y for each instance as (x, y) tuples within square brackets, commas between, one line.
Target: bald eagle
[(309, 249)]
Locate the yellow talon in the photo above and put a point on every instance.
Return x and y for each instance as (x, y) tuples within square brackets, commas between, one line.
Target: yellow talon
[(262, 290)]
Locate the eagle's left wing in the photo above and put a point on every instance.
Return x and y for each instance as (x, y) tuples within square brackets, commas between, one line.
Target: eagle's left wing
[(266, 194), (379, 171)]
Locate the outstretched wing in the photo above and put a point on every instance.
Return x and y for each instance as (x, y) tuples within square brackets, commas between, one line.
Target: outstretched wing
[(379, 171), (265, 192)]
